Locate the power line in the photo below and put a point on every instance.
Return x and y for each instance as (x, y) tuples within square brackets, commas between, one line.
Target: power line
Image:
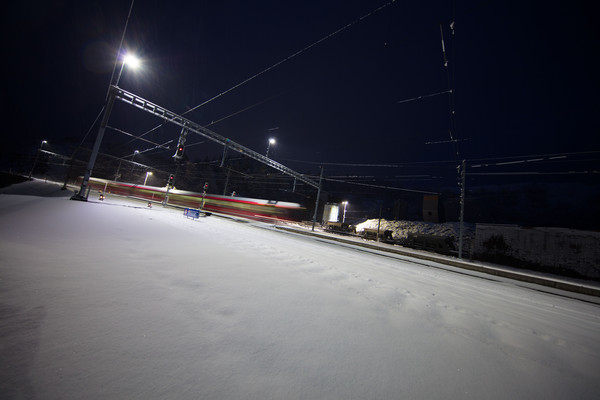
[(530, 158), (424, 96), (535, 173), (447, 141), (343, 164), (141, 138), (297, 53), (243, 110), (379, 186), (548, 156)]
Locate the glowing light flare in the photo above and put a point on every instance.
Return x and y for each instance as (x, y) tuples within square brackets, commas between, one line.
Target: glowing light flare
[(132, 61), (271, 142)]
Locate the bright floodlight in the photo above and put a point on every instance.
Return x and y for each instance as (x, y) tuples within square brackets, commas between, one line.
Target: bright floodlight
[(132, 61), (271, 141)]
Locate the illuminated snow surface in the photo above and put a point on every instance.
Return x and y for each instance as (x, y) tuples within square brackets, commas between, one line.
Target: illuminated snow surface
[(112, 300)]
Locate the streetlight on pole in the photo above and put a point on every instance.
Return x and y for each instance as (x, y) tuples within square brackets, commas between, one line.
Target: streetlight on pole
[(271, 142), (147, 174), (81, 195), (36, 159), (132, 61), (132, 158)]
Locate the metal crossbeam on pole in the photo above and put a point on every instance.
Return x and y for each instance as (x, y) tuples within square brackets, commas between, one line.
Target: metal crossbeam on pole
[(169, 116)]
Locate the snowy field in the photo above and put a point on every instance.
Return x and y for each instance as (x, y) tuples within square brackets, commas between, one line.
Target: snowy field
[(112, 300)]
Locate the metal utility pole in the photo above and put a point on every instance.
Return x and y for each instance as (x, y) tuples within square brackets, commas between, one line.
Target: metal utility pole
[(110, 101), (81, 195), (317, 201), (36, 159), (379, 221), (226, 181), (463, 174)]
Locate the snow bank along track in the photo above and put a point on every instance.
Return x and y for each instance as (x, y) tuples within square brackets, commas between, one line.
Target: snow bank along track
[(455, 262)]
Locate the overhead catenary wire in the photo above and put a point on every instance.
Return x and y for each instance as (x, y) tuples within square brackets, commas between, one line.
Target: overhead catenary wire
[(343, 164), (288, 58), (214, 122), (534, 173), (529, 158), (140, 138), (243, 110), (297, 53), (446, 141), (548, 156), (380, 186), (424, 96)]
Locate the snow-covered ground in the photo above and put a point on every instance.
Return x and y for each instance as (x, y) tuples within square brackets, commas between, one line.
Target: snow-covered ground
[(107, 300)]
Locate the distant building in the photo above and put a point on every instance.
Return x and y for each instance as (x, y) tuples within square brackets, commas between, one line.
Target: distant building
[(331, 213)]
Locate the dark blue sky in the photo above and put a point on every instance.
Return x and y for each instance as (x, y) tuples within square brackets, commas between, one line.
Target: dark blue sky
[(523, 74)]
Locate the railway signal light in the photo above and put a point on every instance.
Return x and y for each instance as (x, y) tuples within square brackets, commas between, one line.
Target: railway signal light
[(179, 152), (171, 179)]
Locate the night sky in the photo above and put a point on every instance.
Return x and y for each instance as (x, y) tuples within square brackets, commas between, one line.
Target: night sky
[(523, 75)]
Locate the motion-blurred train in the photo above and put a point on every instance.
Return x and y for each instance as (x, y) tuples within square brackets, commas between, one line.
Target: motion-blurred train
[(257, 209)]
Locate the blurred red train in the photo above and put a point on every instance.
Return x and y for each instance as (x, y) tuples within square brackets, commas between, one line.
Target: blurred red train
[(257, 209)]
